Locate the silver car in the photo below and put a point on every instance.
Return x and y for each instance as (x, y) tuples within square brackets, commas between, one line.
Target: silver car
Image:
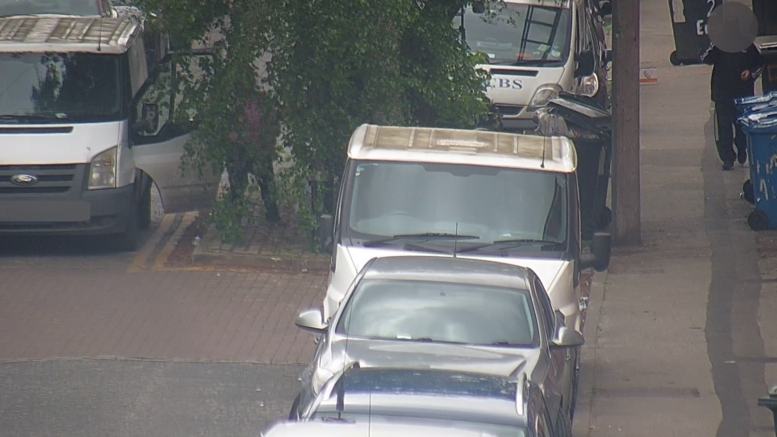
[(445, 313), (438, 399), (376, 427)]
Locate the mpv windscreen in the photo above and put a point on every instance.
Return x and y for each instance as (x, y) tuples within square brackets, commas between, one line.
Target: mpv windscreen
[(485, 204), (52, 87), (520, 34)]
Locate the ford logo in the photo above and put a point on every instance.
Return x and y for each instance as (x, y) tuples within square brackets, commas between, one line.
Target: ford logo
[(24, 179)]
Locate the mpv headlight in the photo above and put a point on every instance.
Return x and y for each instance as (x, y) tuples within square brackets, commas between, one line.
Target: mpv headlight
[(102, 173), (589, 85), (543, 95)]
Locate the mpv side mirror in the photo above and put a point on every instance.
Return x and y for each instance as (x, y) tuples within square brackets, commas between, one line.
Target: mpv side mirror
[(326, 224), (585, 64), (599, 258), (311, 321)]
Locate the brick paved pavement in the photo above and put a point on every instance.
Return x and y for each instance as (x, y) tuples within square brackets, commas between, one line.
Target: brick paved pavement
[(54, 311)]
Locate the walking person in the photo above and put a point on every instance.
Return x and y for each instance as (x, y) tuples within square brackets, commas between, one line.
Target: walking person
[(733, 76)]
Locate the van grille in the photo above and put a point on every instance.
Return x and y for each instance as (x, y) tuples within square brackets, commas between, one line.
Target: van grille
[(52, 179)]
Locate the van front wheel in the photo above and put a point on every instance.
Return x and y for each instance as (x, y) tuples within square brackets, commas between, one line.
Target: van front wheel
[(127, 241)]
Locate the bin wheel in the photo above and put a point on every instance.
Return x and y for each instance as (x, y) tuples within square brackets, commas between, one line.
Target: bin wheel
[(605, 218), (758, 220), (674, 60), (748, 193)]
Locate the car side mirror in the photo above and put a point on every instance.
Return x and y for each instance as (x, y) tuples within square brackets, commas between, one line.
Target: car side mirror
[(585, 64), (326, 224), (567, 338), (311, 321), (601, 249), (605, 8)]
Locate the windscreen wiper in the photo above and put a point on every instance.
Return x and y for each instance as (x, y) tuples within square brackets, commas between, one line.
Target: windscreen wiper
[(420, 237), (509, 244), (33, 117)]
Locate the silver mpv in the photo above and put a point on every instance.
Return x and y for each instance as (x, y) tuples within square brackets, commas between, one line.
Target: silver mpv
[(446, 313)]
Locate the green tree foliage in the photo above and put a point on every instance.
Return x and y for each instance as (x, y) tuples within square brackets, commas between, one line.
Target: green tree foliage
[(335, 64)]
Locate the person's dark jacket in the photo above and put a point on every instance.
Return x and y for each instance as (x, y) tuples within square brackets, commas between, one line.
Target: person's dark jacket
[(727, 83)]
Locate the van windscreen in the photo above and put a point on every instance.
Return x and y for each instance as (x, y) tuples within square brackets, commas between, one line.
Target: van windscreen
[(489, 204), (521, 34), (71, 87)]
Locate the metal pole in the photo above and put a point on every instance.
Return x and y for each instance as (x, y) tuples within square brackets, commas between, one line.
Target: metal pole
[(626, 200)]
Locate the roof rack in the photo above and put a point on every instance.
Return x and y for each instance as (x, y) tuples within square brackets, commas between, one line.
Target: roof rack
[(68, 34)]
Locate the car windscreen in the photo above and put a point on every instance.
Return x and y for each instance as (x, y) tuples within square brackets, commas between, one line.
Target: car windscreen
[(519, 33), (71, 87), (490, 203), (63, 7), (440, 312)]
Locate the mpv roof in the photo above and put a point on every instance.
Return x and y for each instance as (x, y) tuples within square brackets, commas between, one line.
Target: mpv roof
[(458, 146), (68, 34), (447, 269)]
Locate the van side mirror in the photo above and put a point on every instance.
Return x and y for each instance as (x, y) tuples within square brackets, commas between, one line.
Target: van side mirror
[(585, 64), (605, 8), (478, 7), (599, 258), (607, 56), (326, 224)]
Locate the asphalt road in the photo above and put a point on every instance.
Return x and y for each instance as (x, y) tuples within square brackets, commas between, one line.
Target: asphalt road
[(121, 398)]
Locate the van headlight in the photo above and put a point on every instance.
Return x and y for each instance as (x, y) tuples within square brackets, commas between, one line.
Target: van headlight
[(102, 172), (589, 85), (543, 95)]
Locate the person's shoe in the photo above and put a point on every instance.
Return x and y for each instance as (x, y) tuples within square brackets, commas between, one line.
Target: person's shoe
[(742, 158), (728, 166)]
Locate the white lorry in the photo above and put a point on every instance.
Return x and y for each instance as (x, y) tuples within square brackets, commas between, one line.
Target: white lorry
[(87, 126)]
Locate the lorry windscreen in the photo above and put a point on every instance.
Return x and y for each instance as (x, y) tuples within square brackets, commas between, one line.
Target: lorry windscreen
[(520, 34), (490, 204), (57, 87)]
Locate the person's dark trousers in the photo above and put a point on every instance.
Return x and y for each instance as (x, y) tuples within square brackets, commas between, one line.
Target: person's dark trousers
[(730, 134)]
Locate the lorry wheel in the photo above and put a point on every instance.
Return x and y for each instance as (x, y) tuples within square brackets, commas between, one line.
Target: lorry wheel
[(144, 208), (127, 241), (747, 192), (758, 220)]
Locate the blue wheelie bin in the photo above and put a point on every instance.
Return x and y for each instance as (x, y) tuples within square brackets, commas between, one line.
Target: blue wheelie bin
[(761, 131), (746, 106)]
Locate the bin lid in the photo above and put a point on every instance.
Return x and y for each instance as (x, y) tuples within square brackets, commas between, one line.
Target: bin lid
[(755, 100), (757, 121), (582, 112)]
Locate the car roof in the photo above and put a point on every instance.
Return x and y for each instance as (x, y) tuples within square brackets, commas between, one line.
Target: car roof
[(448, 269), (373, 428), (468, 147), (68, 34), (433, 394)]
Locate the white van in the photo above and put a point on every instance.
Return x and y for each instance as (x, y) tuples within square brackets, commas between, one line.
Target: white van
[(85, 130), (537, 48), (441, 192)]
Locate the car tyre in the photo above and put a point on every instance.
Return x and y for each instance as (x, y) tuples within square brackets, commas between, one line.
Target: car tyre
[(294, 407)]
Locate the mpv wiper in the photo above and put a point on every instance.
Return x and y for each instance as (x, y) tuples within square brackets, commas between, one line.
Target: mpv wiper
[(33, 117), (509, 244), (420, 237)]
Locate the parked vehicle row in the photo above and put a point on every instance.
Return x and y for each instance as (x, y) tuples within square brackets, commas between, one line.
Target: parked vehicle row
[(453, 298)]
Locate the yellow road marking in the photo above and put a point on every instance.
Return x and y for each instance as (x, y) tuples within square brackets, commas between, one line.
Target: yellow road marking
[(161, 260), (148, 247)]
